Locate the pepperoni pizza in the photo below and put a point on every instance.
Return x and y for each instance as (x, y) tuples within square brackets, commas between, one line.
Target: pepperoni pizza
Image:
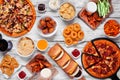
[(106, 63)]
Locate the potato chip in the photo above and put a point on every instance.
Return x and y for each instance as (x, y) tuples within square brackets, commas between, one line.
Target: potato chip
[(14, 63), (8, 65), (67, 11)]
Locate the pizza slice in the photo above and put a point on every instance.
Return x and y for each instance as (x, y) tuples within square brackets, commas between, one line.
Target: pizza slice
[(89, 60), (100, 70), (106, 48), (90, 49), (113, 62)]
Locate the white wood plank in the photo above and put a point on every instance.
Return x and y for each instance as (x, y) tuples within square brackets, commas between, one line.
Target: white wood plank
[(58, 38)]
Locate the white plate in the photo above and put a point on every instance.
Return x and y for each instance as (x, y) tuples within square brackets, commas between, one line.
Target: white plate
[(50, 34), (15, 70)]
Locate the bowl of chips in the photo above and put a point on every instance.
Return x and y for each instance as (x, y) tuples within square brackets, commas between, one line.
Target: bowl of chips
[(67, 11)]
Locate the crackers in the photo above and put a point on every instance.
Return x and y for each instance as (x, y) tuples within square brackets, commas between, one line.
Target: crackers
[(67, 11)]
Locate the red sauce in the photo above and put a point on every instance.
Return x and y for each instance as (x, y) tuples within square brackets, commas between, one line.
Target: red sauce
[(22, 74), (75, 53)]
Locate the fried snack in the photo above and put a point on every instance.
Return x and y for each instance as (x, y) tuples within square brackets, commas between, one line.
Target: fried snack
[(68, 41), (8, 64), (66, 32), (38, 63), (80, 35), (47, 25), (76, 27), (73, 34), (67, 11), (112, 28)]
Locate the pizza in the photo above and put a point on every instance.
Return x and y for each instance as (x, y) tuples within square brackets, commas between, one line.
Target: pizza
[(106, 63), (100, 70), (106, 48), (89, 60), (90, 49), (16, 17)]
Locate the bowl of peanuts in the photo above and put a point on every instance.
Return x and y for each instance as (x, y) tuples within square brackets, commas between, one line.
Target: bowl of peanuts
[(67, 11)]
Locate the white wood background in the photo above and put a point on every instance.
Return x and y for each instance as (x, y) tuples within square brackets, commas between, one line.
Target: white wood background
[(58, 38)]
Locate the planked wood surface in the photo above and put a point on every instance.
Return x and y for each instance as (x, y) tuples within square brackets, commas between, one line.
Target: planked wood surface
[(58, 38)]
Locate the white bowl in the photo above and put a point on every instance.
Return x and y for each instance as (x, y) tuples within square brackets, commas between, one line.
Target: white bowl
[(49, 34), (74, 9), (77, 56), (52, 3), (45, 48), (113, 37), (30, 53)]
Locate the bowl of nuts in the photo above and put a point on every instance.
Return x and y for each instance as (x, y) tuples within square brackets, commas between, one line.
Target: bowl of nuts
[(67, 11), (47, 26)]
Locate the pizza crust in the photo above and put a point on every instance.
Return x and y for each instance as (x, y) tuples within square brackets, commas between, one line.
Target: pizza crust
[(29, 27), (89, 45), (113, 57), (89, 62)]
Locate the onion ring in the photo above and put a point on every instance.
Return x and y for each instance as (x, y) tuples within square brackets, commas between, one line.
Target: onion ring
[(80, 35)]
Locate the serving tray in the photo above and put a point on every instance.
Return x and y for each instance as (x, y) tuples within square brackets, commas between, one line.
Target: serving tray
[(91, 20), (112, 77)]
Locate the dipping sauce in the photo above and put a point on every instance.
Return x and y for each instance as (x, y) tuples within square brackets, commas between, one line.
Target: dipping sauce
[(25, 46), (91, 7), (54, 4), (42, 44), (46, 73), (22, 75), (75, 53), (41, 7)]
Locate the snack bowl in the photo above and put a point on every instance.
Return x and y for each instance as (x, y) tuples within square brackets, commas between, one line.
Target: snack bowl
[(47, 26), (25, 47), (76, 53), (112, 31), (41, 7), (112, 37), (54, 4), (66, 10), (42, 45), (23, 74)]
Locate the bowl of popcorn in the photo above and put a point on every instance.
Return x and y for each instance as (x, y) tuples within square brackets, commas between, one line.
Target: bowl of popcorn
[(67, 11)]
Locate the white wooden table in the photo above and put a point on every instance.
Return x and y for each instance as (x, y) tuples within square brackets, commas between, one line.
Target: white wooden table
[(58, 38)]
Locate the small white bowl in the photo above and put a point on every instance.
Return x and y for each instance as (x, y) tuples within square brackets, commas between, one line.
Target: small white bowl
[(52, 4), (77, 56), (39, 10), (49, 34), (19, 77), (30, 53), (113, 37), (28, 74), (74, 9), (45, 48)]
